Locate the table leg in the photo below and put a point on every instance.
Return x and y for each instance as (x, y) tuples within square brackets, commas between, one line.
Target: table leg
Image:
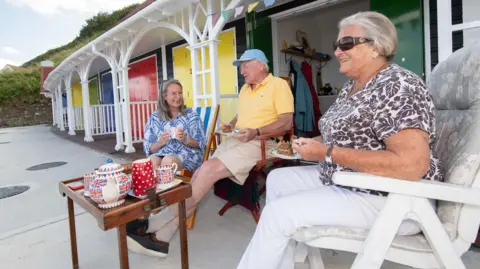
[(73, 233), (182, 225), (122, 246)]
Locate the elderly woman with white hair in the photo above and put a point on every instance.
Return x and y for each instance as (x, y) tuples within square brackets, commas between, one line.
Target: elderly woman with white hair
[(382, 123)]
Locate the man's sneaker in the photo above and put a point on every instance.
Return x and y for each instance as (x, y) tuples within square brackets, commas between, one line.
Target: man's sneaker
[(137, 227), (147, 245)]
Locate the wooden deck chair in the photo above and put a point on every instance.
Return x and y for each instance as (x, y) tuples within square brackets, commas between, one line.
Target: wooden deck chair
[(248, 194), (209, 119)]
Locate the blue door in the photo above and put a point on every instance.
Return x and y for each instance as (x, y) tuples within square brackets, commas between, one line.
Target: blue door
[(107, 87)]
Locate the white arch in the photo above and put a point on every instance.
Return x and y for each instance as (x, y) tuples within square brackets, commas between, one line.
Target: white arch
[(149, 27)]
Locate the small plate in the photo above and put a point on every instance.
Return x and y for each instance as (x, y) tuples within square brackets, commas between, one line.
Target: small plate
[(296, 155), (234, 131), (160, 188)]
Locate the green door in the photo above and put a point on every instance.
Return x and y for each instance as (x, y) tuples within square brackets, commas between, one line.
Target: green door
[(407, 16), (259, 34)]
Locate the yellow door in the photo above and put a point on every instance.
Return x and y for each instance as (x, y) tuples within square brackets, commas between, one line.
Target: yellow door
[(77, 99), (227, 72), (182, 68)]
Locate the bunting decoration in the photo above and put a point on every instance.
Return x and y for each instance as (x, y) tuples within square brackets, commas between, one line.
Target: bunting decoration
[(225, 14), (268, 2), (215, 18), (252, 6), (239, 10)]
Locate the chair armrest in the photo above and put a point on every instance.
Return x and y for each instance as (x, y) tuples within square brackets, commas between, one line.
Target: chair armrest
[(422, 188)]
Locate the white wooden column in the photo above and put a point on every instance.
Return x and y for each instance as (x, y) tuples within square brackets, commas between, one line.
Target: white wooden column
[(54, 110), (110, 56), (117, 110), (214, 79), (164, 63), (444, 29), (125, 95), (194, 56), (70, 113), (60, 108), (86, 112)]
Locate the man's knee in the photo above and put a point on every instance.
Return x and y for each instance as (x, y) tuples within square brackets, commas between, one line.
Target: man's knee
[(214, 170), (155, 160), (169, 160)]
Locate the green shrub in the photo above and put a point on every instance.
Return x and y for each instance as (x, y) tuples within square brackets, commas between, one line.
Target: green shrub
[(19, 86)]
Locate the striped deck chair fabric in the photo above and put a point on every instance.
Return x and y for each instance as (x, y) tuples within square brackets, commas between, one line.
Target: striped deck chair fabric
[(206, 115)]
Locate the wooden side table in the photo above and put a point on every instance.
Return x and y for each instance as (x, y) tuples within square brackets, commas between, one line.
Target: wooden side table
[(118, 217)]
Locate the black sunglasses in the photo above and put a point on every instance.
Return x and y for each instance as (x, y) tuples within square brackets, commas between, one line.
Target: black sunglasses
[(348, 42)]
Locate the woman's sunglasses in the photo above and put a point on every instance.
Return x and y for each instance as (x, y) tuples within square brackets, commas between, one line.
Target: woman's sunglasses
[(348, 42)]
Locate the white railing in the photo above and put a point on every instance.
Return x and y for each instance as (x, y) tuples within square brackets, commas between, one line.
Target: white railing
[(65, 118), (103, 119), (78, 115), (139, 113), (228, 107)]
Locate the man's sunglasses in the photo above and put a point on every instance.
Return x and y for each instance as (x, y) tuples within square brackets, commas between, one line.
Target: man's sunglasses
[(348, 42)]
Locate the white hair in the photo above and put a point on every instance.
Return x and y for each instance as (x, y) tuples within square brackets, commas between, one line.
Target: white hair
[(377, 27)]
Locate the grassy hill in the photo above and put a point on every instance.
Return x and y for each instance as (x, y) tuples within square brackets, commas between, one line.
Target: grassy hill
[(25, 86)]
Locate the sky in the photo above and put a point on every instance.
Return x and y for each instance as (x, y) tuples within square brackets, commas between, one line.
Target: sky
[(29, 28)]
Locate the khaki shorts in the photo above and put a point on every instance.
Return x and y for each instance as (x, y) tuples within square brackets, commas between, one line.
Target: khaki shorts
[(239, 157)]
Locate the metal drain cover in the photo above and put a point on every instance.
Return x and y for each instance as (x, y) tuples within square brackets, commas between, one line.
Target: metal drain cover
[(45, 166), (12, 191)]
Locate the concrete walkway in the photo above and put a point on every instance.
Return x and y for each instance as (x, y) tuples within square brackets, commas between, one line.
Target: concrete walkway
[(34, 229)]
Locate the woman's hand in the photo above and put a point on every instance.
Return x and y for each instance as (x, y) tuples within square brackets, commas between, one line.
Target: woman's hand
[(181, 135), (163, 138), (310, 149)]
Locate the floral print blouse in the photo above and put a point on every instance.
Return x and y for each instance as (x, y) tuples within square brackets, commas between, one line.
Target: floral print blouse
[(192, 158), (393, 100)]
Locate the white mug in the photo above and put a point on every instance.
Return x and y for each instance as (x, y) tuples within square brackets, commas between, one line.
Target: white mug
[(173, 132)]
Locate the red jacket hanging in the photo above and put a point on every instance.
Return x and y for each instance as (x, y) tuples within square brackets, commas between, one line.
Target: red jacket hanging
[(307, 72)]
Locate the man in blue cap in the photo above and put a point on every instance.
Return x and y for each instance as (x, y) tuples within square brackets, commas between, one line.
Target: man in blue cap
[(265, 105)]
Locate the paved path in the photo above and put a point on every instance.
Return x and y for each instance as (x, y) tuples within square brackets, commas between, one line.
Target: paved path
[(34, 228)]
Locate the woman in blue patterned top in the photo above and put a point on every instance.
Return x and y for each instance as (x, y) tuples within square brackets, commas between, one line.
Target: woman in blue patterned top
[(174, 133)]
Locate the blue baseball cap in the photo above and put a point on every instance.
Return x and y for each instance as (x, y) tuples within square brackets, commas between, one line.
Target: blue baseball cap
[(253, 54)]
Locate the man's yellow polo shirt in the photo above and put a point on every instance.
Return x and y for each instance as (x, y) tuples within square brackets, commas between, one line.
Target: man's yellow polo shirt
[(261, 106)]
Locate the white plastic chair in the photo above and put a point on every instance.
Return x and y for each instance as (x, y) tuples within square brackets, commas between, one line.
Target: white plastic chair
[(447, 233)]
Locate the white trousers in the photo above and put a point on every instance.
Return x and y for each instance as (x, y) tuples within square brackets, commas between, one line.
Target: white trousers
[(296, 198)]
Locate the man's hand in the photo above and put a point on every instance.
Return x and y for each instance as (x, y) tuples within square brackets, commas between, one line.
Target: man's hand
[(310, 149), (246, 134), (163, 138)]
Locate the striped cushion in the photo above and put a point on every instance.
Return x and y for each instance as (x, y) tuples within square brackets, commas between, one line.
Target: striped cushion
[(206, 115)]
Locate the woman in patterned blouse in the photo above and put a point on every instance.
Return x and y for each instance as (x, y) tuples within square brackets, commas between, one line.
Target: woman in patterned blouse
[(174, 134), (382, 123)]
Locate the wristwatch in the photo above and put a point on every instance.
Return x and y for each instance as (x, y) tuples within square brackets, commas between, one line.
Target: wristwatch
[(328, 155)]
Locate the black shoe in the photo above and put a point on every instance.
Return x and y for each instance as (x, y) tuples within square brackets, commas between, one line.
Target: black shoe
[(147, 245), (137, 227)]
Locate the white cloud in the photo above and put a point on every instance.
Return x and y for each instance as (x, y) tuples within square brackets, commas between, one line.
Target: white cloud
[(57, 6), (4, 61), (9, 51)]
